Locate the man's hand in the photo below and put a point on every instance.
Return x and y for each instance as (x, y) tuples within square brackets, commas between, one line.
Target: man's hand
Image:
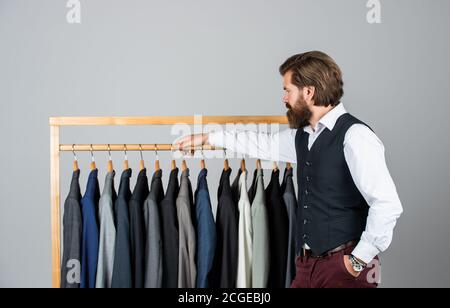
[(349, 267), (187, 143)]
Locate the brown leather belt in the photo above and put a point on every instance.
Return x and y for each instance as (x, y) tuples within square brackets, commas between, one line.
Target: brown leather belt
[(309, 253)]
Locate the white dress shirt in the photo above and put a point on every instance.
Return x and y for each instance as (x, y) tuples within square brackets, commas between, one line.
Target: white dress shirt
[(364, 154)]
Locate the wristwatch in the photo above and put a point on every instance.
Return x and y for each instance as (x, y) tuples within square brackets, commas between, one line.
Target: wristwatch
[(357, 266)]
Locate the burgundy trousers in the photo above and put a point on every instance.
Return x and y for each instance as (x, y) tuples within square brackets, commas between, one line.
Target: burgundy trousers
[(330, 272)]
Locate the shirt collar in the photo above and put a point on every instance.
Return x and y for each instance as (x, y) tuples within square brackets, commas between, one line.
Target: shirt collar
[(328, 120)]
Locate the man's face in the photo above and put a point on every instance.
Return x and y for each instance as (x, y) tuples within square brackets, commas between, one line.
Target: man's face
[(298, 112)]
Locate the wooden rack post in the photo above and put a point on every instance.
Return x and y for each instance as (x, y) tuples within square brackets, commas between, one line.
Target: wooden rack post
[(56, 148)]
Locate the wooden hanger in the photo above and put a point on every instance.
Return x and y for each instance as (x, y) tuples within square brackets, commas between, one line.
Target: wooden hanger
[(226, 164), (93, 165), (183, 165), (75, 159), (275, 166), (258, 164), (141, 163), (125, 162), (157, 166), (202, 161), (202, 164), (174, 164), (243, 164), (110, 162)]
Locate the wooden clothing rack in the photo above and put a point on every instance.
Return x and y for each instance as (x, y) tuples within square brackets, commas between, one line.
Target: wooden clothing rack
[(56, 149)]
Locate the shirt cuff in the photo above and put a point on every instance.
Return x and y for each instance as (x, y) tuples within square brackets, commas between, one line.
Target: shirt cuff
[(365, 252)]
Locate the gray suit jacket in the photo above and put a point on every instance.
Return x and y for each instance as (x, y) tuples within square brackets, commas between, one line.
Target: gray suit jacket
[(187, 270), (291, 205), (153, 249), (72, 228), (107, 242), (261, 256)]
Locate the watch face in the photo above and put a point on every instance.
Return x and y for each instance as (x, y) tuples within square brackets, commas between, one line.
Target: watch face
[(358, 268)]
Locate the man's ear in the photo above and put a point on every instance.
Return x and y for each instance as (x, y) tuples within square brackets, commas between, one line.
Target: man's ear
[(308, 93)]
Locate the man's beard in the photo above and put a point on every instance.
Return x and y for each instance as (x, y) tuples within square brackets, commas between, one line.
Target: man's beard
[(298, 115)]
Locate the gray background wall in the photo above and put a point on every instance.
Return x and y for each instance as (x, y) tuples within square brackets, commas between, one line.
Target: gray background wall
[(219, 58)]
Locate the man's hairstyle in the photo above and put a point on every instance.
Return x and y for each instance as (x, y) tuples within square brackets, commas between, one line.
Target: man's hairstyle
[(319, 70)]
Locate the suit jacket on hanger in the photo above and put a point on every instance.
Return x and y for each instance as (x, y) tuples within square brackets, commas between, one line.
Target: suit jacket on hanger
[(278, 230), (73, 229), (253, 187), (122, 272), (187, 270), (169, 231), (245, 235), (153, 249), (107, 234), (260, 220), (291, 206), (137, 228), (235, 189), (206, 231), (225, 260), (90, 242)]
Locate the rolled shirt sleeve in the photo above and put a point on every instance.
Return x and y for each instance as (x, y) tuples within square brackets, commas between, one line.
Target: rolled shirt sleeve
[(364, 154), (278, 146)]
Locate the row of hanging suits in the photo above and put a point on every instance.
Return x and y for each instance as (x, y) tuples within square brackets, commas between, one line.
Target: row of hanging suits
[(148, 238)]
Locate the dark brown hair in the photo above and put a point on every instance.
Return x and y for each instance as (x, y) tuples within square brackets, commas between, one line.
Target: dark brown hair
[(319, 70)]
